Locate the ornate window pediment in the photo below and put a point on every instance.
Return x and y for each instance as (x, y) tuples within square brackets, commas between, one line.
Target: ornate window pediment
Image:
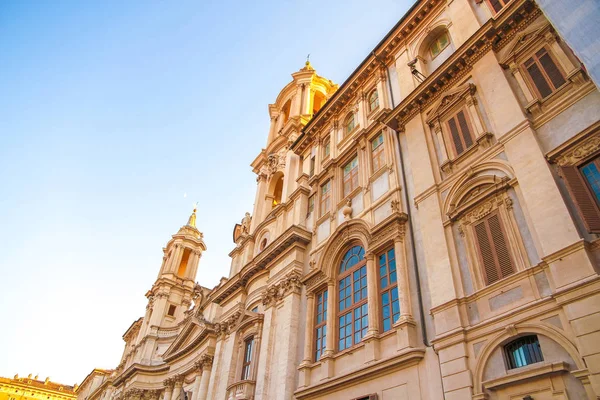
[(458, 126), (523, 42)]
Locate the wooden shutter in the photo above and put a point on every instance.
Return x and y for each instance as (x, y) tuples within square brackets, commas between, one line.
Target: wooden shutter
[(588, 209), (455, 136), (537, 78), (486, 252), (556, 77), (493, 249), (499, 242), (464, 127), (496, 5)]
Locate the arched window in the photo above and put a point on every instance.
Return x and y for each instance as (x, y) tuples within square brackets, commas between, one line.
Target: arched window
[(263, 244), (278, 191), (318, 101), (247, 360), (286, 110), (349, 123), (353, 320), (439, 44), (373, 100), (523, 351)]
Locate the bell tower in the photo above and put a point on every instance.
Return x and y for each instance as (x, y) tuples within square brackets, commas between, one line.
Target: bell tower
[(172, 293), (277, 167)]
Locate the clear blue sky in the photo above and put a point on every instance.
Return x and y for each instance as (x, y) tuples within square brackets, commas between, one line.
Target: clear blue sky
[(109, 113)]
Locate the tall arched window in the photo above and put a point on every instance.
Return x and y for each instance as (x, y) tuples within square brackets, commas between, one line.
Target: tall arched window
[(278, 191), (353, 320), (349, 123), (373, 100)]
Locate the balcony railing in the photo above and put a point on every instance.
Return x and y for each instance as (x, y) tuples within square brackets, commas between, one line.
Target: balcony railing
[(241, 390)]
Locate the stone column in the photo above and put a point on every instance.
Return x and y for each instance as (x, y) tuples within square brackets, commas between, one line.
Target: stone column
[(175, 259), (384, 101), (437, 128), (403, 282), (331, 312), (197, 380), (308, 328), (372, 294), (206, 364), (177, 389), (168, 388)]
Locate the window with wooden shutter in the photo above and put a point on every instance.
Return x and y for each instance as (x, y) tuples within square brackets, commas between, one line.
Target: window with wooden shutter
[(497, 5), (460, 132), (493, 250), (583, 184), (543, 73)]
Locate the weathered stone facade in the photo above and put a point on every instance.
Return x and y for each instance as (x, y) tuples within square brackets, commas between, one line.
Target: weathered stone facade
[(427, 230)]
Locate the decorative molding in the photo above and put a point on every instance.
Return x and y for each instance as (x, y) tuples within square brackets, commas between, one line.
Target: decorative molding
[(290, 283), (313, 280), (580, 152)]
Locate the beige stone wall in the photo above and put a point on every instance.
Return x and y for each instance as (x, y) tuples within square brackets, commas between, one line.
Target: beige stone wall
[(423, 203)]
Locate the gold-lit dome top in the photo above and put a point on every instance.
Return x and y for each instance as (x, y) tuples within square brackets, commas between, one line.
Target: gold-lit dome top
[(192, 219), (307, 66)]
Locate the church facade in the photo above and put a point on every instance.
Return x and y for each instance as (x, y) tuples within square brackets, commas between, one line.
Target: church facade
[(427, 230)]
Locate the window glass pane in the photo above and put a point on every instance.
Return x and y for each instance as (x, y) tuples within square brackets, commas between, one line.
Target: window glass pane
[(538, 80), (592, 176), (552, 70), (523, 351)]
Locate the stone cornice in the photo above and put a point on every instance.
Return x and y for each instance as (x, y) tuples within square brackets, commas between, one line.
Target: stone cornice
[(139, 368), (401, 360), (295, 235)]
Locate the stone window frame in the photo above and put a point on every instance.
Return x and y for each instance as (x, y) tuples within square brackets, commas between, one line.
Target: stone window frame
[(490, 199), (350, 124), (249, 328), (370, 108), (388, 289), (322, 290), (354, 305), (461, 98), (381, 150), (524, 47), (343, 163)]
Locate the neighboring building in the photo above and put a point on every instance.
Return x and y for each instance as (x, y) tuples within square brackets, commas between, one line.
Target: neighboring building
[(428, 230), (31, 388), (96, 381)]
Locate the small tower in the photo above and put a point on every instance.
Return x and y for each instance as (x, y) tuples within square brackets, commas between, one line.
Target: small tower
[(171, 294)]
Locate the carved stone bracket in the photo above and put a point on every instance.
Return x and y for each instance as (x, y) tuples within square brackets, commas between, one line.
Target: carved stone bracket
[(289, 284)]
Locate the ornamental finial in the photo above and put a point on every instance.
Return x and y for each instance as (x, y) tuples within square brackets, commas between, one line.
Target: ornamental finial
[(192, 219)]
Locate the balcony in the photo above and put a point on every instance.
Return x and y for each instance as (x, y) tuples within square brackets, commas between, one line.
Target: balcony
[(241, 390)]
